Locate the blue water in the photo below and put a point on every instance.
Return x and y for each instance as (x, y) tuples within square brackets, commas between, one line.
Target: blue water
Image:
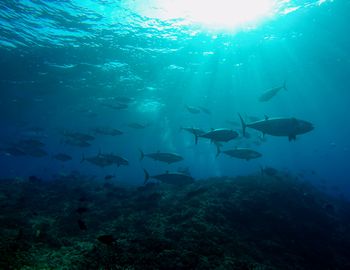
[(62, 61)]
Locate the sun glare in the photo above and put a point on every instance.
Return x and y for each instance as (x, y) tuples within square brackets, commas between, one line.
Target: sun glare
[(229, 14)]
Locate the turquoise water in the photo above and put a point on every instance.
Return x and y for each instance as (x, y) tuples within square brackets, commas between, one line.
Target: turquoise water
[(64, 64)]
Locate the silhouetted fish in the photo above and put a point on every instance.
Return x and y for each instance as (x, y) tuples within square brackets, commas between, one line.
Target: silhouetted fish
[(107, 131), (242, 153), (220, 135), (109, 177), (192, 109), (78, 136), (195, 131), (289, 127), (135, 125), (117, 106), (30, 143), (62, 157), (205, 110), (173, 178), (76, 142), (164, 157), (267, 95)]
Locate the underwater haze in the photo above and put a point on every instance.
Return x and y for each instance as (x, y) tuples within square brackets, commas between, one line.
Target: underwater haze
[(140, 92), (64, 64)]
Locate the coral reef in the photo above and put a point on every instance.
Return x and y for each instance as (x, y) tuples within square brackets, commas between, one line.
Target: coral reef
[(248, 222)]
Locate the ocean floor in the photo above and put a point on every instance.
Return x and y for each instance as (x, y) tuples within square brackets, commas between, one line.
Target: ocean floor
[(249, 222)]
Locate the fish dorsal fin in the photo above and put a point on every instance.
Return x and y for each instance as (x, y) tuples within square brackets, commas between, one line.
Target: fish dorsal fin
[(266, 117)]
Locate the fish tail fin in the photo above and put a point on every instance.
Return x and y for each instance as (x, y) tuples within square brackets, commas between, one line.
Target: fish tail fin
[(218, 150), (244, 125), (285, 85), (142, 155), (146, 176), (82, 158), (262, 170)]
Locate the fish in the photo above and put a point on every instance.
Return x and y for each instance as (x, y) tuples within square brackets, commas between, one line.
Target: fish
[(98, 160), (30, 143), (118, 106), (220, 135), (115, 159), (135, 125), (205, 110), (78, 136), (13, 151), (184, 170), (173, 178), (285, 127), (76, 142), (195, 131), (109, 177), (163, 157), (269, 94), (36, 152), (123, 99), (62, 157), (29, 147), (241, 153), (107, 131), (192, 109)]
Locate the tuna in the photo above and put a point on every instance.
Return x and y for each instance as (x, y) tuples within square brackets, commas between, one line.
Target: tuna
[(62, 157), (78, 136), (267, 95), (241, 153), (117, 106), (75, 142), (107, 131), (136, 125), (220, 135), (173, 178), (192, 109), (195, 131), (98, 160), (286, 127), (103, 160), (205, 110), (164, 157), (115, 159)]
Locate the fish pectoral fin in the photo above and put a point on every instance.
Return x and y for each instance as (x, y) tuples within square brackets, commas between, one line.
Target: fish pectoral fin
[(292, 137)]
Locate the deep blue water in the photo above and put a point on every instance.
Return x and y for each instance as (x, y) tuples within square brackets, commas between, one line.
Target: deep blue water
[(63, 61)]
